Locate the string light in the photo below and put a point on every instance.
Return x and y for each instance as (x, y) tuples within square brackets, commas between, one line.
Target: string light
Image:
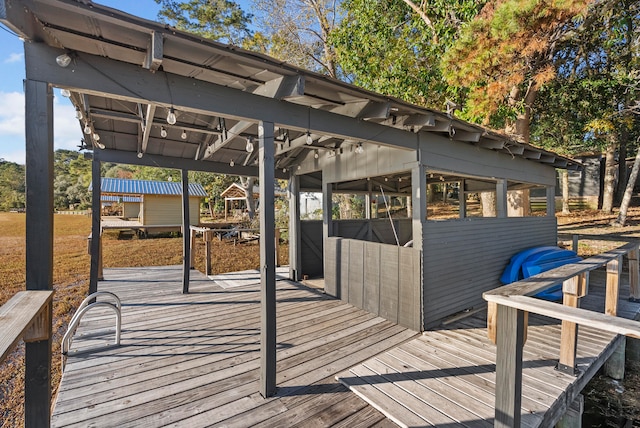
[(63, 60), (232, 163), (87, 128), (96, 136), (78, 114), (65, 93), (163, 132), (171, 116), (140, 155), (249, 146), (309, 139), (316, 155), (359, 148), (184, 135)]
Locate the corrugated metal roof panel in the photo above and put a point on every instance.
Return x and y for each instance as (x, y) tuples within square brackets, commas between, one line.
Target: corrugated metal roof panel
[(110, 198), (148, 187)]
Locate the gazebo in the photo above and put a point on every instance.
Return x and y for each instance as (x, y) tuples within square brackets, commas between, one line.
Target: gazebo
[(148, 94)]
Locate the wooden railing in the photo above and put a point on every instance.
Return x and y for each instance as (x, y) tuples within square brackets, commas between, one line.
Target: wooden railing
[(508, 307), (27, 316)]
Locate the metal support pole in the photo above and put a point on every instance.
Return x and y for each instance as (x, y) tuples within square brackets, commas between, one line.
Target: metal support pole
[(295, 241)]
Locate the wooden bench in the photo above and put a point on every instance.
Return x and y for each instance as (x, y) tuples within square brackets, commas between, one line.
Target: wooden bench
[(27, 316)]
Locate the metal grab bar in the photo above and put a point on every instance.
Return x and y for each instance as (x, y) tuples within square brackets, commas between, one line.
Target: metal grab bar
[(83, 309)]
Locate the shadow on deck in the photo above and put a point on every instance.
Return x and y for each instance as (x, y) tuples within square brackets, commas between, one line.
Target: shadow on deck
[(193, 360)]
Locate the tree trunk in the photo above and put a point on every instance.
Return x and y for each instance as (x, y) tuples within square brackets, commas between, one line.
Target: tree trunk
[(626, 200), (248, 183), (565, 192), (521, 126), (488, 203), (622, 166), (609, 179)]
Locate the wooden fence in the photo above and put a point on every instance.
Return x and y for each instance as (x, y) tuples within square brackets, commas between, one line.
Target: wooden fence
[(507, 319)]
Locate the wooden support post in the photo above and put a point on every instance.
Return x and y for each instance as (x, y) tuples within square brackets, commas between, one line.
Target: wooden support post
[(267, 260), (551, 201), (96, 227), (276, 242), (192, 245), (614, 366), (501, 198), (419, 197), (295, 239), (614, 273), (492, 323), (634, 276), (207, 251), (510, 340), (572, 289), (576, 240), (100, 260), (462, 201), (573, 416), (39, 242), (186, 241)]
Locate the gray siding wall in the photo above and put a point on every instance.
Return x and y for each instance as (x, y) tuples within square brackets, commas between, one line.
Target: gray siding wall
[(381, 279), (381, 230), (464, 258), (311, 247)]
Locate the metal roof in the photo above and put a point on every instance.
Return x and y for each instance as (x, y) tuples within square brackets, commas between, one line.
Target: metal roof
[(126, 75), (122, 186), (114, 198)]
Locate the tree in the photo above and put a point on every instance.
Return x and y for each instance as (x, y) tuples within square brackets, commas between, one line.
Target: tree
[(299, 32), (588, 106), (505, 55), (395, 47), (12, 185), (221, 20)]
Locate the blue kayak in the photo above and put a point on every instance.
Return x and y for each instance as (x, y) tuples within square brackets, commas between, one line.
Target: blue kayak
[(513, 271)]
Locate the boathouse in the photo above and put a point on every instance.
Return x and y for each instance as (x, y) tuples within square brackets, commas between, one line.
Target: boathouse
[(420, 210)]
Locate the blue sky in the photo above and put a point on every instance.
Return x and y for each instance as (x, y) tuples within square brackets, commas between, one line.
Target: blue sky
[(67, 133)]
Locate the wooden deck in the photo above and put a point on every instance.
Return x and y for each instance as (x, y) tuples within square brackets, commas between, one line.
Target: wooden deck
[(446, 378), (192, 360)]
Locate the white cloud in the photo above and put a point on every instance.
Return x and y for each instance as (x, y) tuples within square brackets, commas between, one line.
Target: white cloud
[(14, 57), (67, 131)]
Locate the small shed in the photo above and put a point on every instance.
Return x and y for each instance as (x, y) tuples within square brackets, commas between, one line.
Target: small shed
[(159, 202), (235, 199)]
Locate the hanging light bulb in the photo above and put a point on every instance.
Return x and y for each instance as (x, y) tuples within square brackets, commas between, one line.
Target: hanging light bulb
[(63, 60), (184, 135), (284, 169), (171, 116), (78, 114), (309, 139), (140, 154), (316, 155), (232, 163), (96, 136), (100, 145), (87, 128), (163, 132), (359, 148), (249, 146), (65, 93)]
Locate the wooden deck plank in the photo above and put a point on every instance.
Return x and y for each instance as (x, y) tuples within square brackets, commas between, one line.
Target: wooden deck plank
[(192, 360)]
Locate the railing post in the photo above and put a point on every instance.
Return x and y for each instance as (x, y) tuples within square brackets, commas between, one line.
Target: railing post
[(492, 323), (634, 276), (572, 290), (192, 258), (207, 252), (614, 272), (510, 341)]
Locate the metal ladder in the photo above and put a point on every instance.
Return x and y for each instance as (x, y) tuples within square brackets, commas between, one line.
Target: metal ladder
[(84, 307)]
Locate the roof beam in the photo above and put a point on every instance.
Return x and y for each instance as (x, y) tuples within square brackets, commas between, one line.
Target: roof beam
[(235, 131), (131, 158), (491, 144), (547, 158), (514, 150), (530, 154), (375, 110), (418, 121), (282, 87), (153, 59), (146, 128), (469, 136)]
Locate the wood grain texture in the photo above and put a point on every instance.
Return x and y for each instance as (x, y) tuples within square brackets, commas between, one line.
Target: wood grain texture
[(193, 360), (24, 311)]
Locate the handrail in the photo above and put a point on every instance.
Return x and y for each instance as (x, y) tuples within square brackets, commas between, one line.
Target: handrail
[(25, 316), (507, 318), (85, 307)]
